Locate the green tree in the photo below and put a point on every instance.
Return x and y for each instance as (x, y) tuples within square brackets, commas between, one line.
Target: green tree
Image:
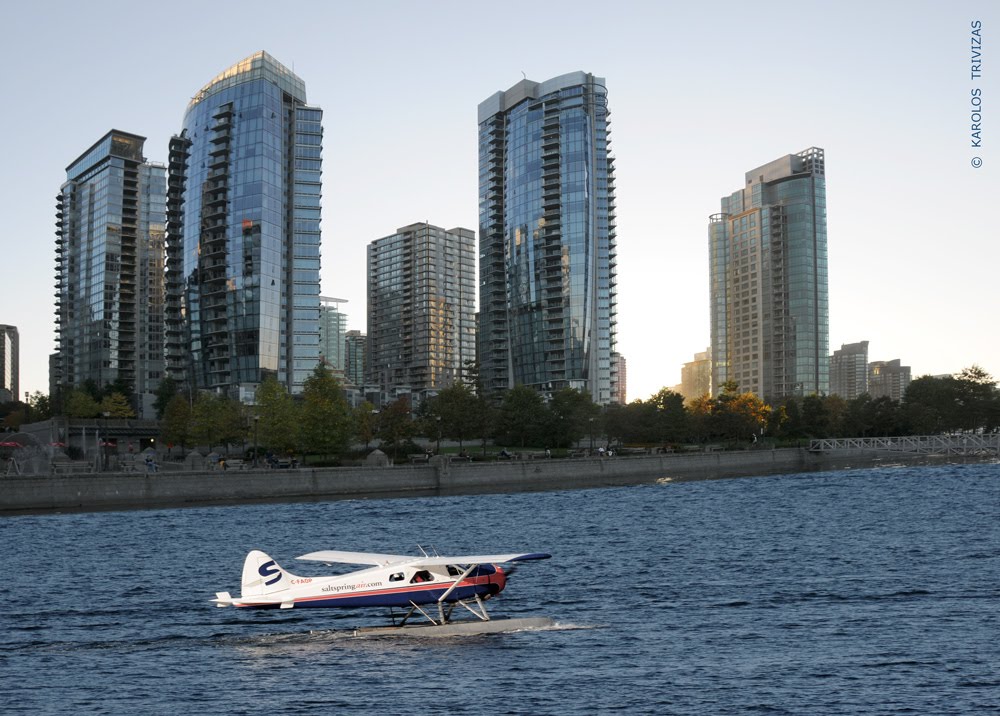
[(671, 417), (40, 407), (815, 417), (521, 416), (884, 416), (777, 420), (792, 425), (216, 420), (977, 398), (931, 405), (856, 421), (120, 386), (116, 405), (616, 423), (279, 417), (836, 410), (90, 387), (326, 416), (14, 418), (484, 420), (702, 419), (80, 403), (571, 415), (395, 425), (174, 427), (738, 416), (165, 392), (365, 420), (453, 412)]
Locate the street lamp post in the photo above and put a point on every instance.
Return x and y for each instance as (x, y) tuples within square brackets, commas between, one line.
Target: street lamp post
[(104, 442), (437, 419), (256, 420)]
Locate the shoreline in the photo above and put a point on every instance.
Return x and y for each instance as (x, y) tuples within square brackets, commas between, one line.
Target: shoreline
[(33, 495)]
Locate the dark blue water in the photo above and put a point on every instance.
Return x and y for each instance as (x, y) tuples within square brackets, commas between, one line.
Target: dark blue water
[(862, 592)]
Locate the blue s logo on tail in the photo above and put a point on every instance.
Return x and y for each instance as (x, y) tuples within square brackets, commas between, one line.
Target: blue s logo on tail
[(267, 569)]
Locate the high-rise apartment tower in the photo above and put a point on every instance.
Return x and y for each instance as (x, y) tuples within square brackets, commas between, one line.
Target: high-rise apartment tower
[(547, 238), (243, 236), (355, 344), (768, 271), (888, 379), (849, 370), (421, 309), (109, 270)]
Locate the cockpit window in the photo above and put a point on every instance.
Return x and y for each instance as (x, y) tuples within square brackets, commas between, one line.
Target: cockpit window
[(454, 571)]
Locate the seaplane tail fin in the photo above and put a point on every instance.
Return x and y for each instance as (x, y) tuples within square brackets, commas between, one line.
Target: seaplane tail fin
[(263, 576)]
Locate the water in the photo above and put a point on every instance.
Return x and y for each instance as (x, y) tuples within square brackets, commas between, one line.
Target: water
[(859, 592)]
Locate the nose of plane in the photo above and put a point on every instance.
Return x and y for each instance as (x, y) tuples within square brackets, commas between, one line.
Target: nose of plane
[(499, 579)]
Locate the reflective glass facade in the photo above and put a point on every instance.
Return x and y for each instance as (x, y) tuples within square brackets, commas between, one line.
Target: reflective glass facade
[(110, 222), (9, 363), (332, 330), (421, 308), (547, 238), (243, 255), (768, 273)]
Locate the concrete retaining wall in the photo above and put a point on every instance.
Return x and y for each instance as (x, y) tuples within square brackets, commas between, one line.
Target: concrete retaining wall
[(130, 490)]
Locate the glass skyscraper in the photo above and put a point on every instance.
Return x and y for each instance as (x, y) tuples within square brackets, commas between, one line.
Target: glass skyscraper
[(109, 270), (9, 364), (768, 271), (243, 236), (332, 330), (547, 238)]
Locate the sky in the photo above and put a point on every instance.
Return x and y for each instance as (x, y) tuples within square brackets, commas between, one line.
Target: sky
[(699, 95)]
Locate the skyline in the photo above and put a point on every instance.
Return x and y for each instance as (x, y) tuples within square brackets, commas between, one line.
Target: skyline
[(696, 98)]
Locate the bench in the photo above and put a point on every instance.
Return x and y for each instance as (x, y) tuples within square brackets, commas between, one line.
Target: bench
[(71, 468)]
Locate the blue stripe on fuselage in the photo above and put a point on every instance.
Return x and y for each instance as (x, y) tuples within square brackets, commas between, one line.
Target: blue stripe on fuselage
[(401, 598), (395, 599)]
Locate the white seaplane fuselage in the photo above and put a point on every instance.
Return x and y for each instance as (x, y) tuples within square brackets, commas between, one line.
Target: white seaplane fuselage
[(395, 581)]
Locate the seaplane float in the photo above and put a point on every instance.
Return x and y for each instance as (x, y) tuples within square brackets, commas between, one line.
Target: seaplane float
[(428, 586)]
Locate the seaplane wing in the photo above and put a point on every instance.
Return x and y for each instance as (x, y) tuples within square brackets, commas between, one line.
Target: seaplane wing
[(383, 560), (335, 557)]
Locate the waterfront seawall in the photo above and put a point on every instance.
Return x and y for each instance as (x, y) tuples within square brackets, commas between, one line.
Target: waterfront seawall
[(102, 491)]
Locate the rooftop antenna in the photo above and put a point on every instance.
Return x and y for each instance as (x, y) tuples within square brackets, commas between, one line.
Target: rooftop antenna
[(524, 75)]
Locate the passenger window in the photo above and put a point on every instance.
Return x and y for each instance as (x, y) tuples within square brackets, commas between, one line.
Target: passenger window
[(398, 576), (422, 576)]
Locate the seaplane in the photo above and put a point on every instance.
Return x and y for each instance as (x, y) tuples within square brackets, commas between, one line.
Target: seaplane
[(416, 584)]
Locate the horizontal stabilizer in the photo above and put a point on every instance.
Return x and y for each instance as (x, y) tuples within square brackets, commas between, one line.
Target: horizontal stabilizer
[(223, 599)]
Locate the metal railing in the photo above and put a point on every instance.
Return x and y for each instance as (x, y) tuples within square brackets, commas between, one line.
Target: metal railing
[(917, 444)]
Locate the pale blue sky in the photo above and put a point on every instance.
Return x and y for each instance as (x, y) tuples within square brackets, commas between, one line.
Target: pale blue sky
[(698, 96)]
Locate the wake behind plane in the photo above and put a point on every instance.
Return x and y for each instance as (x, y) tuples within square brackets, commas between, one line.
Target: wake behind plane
[(405, 581)]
